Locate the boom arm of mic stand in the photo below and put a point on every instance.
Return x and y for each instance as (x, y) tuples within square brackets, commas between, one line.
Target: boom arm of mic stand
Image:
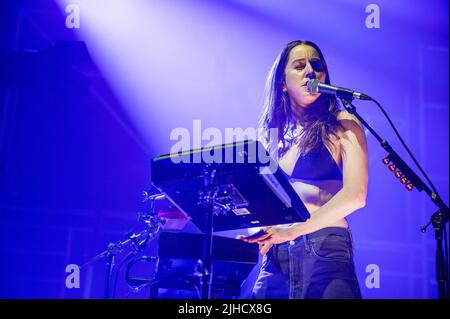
[(397, 160)]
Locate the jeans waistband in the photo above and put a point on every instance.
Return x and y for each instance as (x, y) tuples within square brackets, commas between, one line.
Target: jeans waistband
[(321, 233), (324, 232)]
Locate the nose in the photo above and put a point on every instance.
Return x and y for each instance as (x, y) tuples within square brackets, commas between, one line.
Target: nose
[(310, 75), (310, 72)]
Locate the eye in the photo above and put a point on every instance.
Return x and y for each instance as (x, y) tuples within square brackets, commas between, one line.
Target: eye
[(299, 66)]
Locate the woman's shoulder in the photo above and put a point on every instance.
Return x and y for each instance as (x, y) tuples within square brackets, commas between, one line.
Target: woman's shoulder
[(347, 120), (352, 129)]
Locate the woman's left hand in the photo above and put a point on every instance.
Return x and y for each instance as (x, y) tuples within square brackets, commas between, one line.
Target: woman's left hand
[(269, 236)]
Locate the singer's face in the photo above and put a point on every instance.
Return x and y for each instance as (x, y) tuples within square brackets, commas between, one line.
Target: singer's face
[(303, 64)]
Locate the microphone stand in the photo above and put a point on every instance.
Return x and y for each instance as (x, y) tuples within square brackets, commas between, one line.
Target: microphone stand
[(439, 219), (136, 241), (207, 197)]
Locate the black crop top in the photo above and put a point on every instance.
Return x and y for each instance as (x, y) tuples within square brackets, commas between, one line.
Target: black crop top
[(317, 165)]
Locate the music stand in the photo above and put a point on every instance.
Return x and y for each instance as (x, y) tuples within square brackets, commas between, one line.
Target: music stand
[(227, 187)]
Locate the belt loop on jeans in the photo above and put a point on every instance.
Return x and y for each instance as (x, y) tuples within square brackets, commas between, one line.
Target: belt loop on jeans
[(275, 251)]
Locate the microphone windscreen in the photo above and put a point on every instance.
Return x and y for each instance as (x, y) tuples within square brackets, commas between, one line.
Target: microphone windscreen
[(313, 86)]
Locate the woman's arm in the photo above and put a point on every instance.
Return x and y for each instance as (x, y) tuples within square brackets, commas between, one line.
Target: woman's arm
[(352, 196)]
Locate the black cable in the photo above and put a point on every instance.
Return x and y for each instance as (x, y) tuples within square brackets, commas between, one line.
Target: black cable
[(405, 146), (140, 247), (116, 278)]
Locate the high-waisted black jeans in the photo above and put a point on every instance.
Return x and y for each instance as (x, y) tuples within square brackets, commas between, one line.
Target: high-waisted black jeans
[(314, 266)]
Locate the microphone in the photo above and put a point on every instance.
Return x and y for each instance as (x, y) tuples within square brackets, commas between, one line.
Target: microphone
[(314, 86)]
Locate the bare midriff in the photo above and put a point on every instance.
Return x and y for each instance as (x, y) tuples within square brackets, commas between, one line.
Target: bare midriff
[(313, 193)]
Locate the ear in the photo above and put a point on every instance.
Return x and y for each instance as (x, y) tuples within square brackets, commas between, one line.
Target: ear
[(284, 87)]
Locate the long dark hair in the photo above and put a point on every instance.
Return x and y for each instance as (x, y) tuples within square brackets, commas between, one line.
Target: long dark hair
[(318, 121)]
